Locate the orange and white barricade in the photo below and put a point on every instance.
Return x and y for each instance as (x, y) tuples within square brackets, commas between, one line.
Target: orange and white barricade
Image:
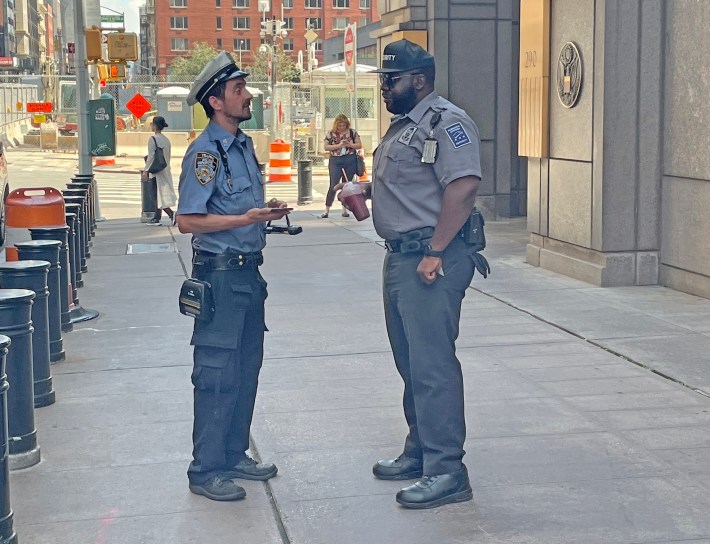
[(279, 161)]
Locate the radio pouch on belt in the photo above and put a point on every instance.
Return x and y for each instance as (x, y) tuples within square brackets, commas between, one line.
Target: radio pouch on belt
[(473, 233), (196, 299)]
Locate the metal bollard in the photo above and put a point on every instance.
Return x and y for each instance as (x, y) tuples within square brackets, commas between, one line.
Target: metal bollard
[(48, 250), (76, 312), (33, 275), (83, 230), (7, 533), (15, 322), (78, 242), (65, 298), (305, 185), (82, 192), (149, 199), (72, 254), (90, 181)]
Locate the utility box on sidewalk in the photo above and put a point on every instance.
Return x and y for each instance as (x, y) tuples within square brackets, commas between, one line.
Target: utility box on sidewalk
[(102, 127)]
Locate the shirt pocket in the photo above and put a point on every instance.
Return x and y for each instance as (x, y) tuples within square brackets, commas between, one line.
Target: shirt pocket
[(406, 160)]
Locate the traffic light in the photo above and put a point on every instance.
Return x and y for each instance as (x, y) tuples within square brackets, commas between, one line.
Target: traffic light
[(111, 72), (93, 44)]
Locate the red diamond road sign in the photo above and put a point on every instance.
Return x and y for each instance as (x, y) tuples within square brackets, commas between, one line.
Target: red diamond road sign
[(138, 105)]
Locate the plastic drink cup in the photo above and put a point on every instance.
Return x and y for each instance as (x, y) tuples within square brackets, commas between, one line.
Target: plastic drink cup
[(354, 199)]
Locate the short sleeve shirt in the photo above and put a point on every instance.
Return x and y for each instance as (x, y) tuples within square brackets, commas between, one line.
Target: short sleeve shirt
[(205, 188), (406, 193)]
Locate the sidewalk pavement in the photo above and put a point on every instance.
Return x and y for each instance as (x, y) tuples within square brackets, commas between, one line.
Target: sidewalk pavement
[(580, 429)]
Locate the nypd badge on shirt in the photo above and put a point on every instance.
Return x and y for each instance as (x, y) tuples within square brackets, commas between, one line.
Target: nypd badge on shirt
[(206, 165)]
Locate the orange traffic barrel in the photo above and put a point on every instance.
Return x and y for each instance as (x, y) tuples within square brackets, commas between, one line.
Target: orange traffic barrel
[(279, 161), (27, 208), (361, 152)]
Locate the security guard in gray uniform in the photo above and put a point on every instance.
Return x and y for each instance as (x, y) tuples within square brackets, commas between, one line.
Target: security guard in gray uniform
[(222, 204), (426, 173)]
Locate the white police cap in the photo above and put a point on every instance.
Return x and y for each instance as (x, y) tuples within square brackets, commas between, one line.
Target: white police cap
[(220, 69)]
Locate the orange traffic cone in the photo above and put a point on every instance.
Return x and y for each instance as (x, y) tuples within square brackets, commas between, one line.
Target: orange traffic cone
[(361, 152)]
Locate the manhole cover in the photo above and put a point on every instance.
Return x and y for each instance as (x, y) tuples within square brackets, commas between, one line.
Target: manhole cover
[(136, 249)]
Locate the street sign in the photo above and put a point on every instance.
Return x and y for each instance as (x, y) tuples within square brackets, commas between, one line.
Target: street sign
[(39, 107), (310, 36), (350, 41), (112, 18), (71, 48), (39, 119), (138, 105)]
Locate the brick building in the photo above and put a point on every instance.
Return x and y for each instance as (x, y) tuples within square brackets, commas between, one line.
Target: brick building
[(234, 25)]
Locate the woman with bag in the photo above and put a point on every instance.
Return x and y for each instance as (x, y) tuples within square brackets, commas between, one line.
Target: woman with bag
[(342, 143), (157, 165)]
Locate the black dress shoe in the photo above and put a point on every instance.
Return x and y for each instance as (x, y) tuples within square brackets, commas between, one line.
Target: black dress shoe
[(219, 488), (402, 468), (248, 469), (433, 491)]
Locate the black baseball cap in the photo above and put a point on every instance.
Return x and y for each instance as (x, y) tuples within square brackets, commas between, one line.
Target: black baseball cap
[(404, 55)]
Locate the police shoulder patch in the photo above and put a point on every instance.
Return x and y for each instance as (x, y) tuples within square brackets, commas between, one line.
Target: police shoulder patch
[(206, 165), (457, 134)]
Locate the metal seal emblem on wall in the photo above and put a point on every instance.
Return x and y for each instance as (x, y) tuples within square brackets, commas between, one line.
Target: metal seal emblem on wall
[(569, 75)]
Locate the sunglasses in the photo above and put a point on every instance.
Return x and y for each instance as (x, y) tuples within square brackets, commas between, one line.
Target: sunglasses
[(391, 81)]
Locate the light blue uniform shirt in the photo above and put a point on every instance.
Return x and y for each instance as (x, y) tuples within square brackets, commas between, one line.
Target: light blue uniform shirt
[(205, 188)]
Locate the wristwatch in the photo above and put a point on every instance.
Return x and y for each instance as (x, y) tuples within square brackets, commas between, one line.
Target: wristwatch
[(429, 252)]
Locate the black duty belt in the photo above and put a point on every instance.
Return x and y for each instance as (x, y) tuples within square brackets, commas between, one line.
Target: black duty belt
[(414, 241), (228, 261)]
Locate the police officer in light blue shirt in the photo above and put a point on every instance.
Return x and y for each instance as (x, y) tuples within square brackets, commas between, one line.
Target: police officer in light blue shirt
[(222, 205), (426, 173)]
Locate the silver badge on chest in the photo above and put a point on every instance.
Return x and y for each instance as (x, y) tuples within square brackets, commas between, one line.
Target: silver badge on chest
[(407, 135)]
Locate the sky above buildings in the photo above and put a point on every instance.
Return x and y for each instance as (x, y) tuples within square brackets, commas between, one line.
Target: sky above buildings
[(128, 7)]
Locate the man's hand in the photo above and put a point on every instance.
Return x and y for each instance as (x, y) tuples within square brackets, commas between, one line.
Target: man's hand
[(276, 203), (428, 268), (261, 215)]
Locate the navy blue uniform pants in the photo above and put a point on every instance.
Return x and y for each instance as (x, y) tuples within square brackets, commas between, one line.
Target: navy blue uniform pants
[(422, 325), (227, 359)]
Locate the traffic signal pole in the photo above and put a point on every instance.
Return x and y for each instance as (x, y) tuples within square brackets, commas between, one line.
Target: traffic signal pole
[(82, 92)]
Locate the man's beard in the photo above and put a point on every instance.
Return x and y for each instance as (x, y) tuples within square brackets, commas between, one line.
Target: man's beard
[(236, 119), (404, 103)]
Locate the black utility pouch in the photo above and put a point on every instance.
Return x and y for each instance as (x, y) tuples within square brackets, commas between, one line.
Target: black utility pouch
[(196, 300), (473, 233)]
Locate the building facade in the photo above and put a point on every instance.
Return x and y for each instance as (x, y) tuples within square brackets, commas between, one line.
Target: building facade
[(235, 25)]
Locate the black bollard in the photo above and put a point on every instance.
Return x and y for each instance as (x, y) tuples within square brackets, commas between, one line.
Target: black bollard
[(88, 180), (82, 192), (15, 322), (48, 250), (33, 275), (305, 185), (7, 533), (149, 199), (76, 312), (79, 264), (65, 298), (82, 227)]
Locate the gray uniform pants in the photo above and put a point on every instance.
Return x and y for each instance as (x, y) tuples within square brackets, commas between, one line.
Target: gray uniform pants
[(422, 325)]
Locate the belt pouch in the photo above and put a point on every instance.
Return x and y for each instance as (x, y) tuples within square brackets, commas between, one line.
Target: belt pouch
[(196, 299), (473, 233)]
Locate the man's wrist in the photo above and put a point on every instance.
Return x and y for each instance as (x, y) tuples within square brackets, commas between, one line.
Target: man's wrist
[(431, 252)]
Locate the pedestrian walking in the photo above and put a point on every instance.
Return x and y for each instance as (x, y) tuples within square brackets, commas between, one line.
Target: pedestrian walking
[(222, 205), (158, 145), (342, 143), (426, 173)]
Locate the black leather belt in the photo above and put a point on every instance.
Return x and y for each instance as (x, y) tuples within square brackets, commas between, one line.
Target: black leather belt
[(228, 261), (414, 241)]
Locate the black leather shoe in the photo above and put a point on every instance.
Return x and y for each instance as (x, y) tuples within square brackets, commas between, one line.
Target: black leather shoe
[(248, 469), (433, 491), (402, 468), (219, 488)]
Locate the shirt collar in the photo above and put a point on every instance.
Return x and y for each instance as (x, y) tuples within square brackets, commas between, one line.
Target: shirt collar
[(218, 133), (422, 107)]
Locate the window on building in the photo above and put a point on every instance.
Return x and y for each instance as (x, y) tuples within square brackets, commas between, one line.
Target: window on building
[(178, 44), (288, 3), (318, 45), (339, 23), (240, 3), (178, 3), (242, 44), (219, 43), (365, 4), (240, 23), (364, 21), (288, 44), (316, 23), (178, 23), (314, 3), (219, 23), (288, 23), (369, 52), (218, 3), (341, 3)]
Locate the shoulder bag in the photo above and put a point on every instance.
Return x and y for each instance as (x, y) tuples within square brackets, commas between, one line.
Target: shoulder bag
[(159, 162)]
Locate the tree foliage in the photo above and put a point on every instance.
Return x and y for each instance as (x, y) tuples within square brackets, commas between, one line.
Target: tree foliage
[(285, 67), (188, 67)]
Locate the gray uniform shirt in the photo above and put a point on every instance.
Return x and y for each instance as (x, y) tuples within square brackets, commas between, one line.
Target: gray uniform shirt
[(406, 193), (206, 188)]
